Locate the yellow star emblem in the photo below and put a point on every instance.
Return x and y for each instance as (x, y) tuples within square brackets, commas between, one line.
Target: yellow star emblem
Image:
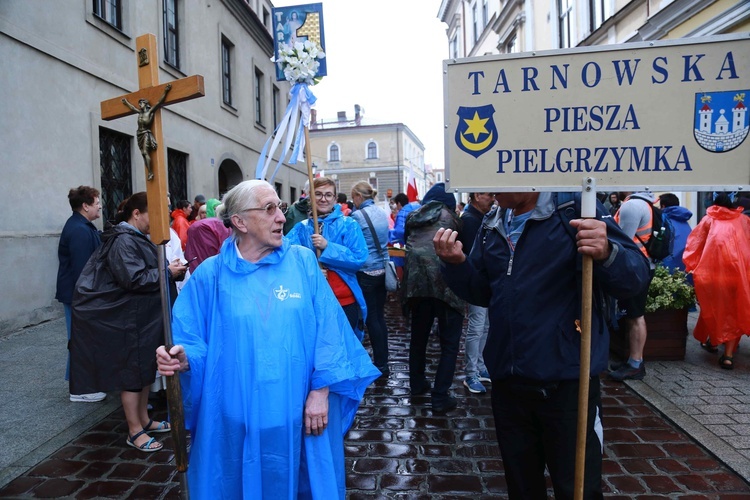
[(476, 126)]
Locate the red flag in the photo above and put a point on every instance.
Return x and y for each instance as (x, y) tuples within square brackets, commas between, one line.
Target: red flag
[(411, 187)]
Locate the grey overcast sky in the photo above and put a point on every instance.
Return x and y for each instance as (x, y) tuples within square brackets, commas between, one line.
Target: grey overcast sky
[(386, 56)]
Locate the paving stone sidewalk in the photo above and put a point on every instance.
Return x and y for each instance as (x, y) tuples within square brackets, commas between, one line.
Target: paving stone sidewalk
[(711, 404), (396, 449)]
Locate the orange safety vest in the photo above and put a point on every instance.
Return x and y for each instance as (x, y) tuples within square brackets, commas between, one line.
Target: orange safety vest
[(643, 233)]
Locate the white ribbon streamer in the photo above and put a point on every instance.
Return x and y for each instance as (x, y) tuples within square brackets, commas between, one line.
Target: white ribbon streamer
[(301, 100)]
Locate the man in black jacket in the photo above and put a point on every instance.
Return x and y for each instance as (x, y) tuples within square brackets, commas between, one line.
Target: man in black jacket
[(78, 240), (524, 267)]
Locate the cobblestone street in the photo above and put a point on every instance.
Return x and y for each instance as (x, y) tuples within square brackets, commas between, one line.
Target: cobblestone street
[(398, 449)]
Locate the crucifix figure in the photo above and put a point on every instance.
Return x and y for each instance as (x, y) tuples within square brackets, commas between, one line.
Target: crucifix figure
[(149, 132), (146, 140)]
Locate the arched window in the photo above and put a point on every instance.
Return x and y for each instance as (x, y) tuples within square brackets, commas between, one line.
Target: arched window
[(333, 153), (372, 150)]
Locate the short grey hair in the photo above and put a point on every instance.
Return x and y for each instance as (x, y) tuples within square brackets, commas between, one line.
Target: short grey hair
[(241, 197)]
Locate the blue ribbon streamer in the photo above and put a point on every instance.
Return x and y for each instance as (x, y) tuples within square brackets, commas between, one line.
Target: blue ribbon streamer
[(301, 99)]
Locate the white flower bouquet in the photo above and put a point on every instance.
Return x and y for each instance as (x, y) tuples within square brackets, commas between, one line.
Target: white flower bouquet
[(300, 61)]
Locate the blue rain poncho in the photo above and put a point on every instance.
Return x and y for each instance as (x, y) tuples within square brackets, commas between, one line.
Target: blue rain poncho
[(346, 251), (258, 337)]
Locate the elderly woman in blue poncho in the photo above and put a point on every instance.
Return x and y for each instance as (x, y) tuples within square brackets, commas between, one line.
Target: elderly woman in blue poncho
[(270, 369)]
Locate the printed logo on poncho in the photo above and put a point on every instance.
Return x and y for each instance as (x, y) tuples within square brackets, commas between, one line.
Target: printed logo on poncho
[(283, 294)]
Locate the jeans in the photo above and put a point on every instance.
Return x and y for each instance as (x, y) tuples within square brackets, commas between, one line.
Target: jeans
[(476, 338), (68, 319), (536, 425), (373, 288), (423, 311)]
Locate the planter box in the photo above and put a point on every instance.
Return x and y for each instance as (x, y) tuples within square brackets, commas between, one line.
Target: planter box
[(666, 339)]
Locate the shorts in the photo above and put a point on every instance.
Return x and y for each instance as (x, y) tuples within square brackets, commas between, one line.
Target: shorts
[(635, 307)]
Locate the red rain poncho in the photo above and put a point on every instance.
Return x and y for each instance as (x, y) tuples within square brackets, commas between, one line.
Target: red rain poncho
[(718, 254)]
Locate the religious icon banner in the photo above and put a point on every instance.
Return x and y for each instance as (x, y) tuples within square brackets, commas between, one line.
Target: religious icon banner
[(298, 23)]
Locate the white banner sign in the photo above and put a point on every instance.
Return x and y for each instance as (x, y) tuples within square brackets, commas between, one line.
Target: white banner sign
[(668, 115)]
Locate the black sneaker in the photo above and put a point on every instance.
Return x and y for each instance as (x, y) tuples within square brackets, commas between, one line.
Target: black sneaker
[(443, 405), (617, 365), (627, 372), (418, 390)]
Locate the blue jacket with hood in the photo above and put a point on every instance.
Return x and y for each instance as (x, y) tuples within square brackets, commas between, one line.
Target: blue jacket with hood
[(533, 294), (679, 217), (345, 253)]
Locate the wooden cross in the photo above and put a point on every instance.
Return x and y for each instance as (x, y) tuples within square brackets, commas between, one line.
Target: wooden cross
[(150, 90)]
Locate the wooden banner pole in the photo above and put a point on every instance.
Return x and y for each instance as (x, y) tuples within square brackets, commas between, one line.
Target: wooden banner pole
[(311, 194), (588, 211)]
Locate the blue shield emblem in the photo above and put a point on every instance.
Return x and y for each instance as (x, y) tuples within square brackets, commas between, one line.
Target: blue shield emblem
[(721, 120), (476, 133)]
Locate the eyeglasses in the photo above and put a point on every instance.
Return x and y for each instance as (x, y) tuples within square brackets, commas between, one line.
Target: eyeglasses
[(270, 208), (327, 196)]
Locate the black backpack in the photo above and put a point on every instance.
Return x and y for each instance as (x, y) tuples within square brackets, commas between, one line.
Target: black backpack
[(661, 243)]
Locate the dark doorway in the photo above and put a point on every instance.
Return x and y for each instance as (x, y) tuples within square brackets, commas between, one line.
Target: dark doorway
[(230, 175)]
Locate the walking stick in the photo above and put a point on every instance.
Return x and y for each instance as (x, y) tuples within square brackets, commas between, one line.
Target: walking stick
[(588, 211), (308, 158), (174, 390)]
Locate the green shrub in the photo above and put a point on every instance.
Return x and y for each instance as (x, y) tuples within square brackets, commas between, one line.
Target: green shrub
[(669, 291)]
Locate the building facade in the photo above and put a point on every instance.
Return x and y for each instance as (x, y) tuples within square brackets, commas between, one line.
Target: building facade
[(530, 25), (481, 27), (349, 151), (63, 58), (470, 27)]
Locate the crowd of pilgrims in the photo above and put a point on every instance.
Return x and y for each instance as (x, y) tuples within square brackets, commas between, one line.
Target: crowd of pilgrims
[(269, 336)]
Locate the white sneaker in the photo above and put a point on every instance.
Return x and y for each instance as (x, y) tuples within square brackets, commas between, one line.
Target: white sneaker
[(94, 397)]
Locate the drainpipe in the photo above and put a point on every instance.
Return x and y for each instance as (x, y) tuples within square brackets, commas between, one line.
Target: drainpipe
[(398, 158), (463, 27), (529, 25)]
